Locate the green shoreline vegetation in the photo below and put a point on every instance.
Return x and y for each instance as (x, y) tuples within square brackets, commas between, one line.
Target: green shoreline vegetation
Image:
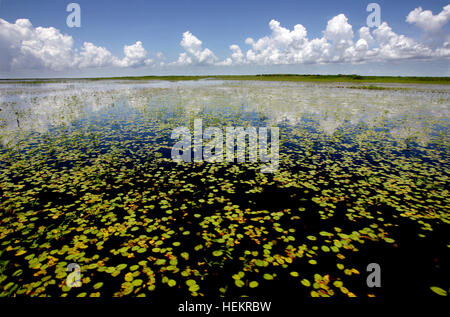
[(261, 77)]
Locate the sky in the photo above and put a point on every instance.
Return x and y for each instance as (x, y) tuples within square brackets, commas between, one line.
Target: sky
[(198, 37)]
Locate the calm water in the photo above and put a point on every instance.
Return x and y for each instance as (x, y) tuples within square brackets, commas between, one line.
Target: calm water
[(87, 178)]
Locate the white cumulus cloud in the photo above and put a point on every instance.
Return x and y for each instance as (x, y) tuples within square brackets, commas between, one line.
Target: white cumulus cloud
[(280, 47), (95, 56), (339, 45), (23, 46), (395, 46), (194, 53), (432, 25), (425, 19), (135, 56)]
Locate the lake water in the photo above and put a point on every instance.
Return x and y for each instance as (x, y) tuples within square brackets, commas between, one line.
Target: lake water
[(87, 177)]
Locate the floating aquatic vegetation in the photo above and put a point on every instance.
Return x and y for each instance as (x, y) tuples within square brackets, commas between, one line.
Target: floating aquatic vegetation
[(86, 177)]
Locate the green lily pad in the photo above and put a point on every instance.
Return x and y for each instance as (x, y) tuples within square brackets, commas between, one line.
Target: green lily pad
[(438, 290), (253, 284), (306, 283)]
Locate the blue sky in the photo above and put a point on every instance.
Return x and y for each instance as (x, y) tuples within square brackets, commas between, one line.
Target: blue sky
[(159, 26)]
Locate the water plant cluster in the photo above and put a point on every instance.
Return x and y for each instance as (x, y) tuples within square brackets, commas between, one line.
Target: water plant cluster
[(86, 177)]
